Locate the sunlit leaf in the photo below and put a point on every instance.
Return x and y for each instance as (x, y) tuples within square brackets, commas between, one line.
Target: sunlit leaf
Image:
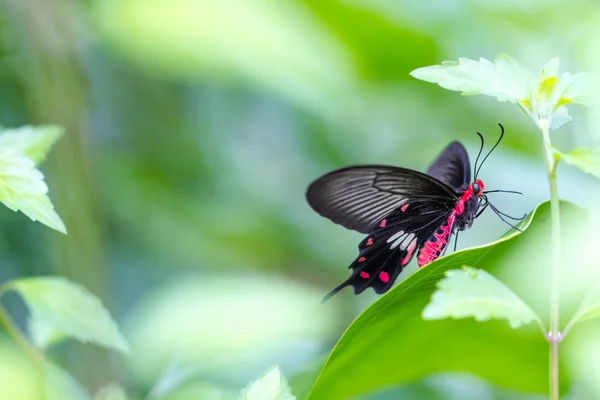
[(585, 158), (32, 141), (475, 293), (390, 344), (503, 79), (22, 188), (272, 386), (70, 309), (60, 385)]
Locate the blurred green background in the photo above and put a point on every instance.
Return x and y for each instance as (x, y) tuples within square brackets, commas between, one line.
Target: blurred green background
[(193, 129)]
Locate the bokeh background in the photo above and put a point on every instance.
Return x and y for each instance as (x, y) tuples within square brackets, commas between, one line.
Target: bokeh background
[(192, 131)]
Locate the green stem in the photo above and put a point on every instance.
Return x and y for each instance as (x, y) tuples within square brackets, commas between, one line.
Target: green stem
[(554, 335), (11, 328)]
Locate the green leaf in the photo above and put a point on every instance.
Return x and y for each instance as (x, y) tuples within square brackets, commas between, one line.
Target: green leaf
[(272, 386), (390, 344), (584, 158), (70, 309), (503, 79), (589, 307), (22, 188), (60, 385), (43, 334), (475, 293), (32, 141)]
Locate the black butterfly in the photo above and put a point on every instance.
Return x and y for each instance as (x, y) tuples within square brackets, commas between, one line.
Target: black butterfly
[(404, 212)]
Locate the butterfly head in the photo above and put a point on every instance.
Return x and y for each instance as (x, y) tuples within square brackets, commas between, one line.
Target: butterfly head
[(477, 187)]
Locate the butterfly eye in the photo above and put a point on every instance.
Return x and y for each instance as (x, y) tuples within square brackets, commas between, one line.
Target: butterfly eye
[(476, 188)]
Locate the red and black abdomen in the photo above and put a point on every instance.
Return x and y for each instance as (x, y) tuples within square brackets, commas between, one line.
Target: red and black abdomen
[(433, 246)]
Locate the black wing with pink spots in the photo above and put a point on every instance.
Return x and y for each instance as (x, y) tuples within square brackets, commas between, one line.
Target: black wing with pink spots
[(391, 245)]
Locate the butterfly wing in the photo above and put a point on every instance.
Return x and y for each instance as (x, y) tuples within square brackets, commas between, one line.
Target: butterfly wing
[(391, 245), (452, 166), (359, 197)]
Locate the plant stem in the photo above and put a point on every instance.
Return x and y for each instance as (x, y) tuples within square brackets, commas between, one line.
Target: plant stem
[(554, 334), (11, 328)]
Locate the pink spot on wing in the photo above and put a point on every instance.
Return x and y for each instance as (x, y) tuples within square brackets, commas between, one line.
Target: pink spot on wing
[(369, 242), (364, 275), (382, 224), (362, 259), (385, 278), (404, 207)]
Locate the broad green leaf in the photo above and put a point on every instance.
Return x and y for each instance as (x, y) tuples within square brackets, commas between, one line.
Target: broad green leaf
[(70, 309), (390, 344), (60, 385), (475, 293), (584, 158), (503, 79), (31, 141), (272, 386), (22, 188)]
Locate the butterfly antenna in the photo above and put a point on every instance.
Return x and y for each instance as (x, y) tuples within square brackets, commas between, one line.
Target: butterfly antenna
[(500, 215), (501, 191), (478, 154), (490, 152)]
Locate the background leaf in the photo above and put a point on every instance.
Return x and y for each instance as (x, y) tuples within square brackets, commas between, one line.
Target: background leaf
[(60, 385), (32, 141), (22, 188), (475, 293), (272, 386), (70, 309), (390, 344), (584, 158), (504, 79)]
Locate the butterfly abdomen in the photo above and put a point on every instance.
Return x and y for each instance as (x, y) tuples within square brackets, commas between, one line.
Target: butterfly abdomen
[(436, 243)]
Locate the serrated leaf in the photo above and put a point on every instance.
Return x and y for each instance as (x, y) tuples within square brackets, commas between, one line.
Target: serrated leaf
[(60, 385), (585, 158), (503, 79), (70, 309), (22, 188), (475, 293), (272, 386), (32, 141)]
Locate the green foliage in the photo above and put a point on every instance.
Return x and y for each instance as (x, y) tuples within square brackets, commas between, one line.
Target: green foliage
[(272, 386), (589, 307), (34, 142), (111, 392), (65, 308), (541, 96), (584, 158), (390, 344), (475, 293), (60, 385), (22, 186), (503, 79)]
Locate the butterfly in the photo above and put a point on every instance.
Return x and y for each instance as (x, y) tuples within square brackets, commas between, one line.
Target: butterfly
[(403, 212)]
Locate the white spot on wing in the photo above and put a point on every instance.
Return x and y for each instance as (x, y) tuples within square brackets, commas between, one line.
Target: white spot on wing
[(395, 236)]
